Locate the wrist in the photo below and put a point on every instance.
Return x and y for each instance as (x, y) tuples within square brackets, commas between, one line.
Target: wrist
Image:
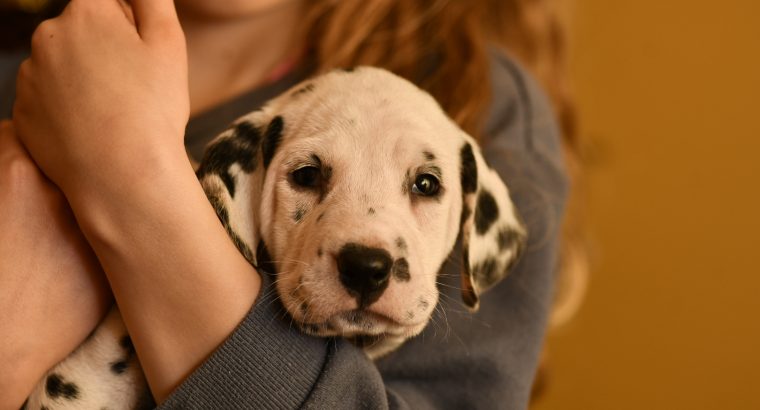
[(162, 247), (113, 191)]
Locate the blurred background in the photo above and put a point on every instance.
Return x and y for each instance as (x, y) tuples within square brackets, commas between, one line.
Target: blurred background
[(666, 95)]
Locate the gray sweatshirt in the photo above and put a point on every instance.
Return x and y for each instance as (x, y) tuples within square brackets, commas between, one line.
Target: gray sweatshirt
[(485, 360)]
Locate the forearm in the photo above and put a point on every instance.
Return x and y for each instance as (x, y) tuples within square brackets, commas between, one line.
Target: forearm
[(44, 315), (52, 291), (180, 283)]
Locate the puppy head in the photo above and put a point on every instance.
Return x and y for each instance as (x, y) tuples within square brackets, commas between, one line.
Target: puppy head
[(359, 185)]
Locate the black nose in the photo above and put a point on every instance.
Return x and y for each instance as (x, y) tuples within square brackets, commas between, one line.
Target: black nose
[(364, 271)]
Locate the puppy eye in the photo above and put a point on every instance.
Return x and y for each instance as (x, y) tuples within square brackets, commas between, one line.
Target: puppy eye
[(426, 185), (307, 177)]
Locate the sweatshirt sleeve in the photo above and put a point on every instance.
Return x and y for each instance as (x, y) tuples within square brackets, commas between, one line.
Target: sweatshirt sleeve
[(461, 360)]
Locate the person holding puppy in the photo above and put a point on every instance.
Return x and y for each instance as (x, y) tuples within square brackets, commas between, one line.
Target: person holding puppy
[(101, 111)]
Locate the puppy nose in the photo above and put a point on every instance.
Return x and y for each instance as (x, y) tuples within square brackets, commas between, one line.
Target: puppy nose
[(364, 271)]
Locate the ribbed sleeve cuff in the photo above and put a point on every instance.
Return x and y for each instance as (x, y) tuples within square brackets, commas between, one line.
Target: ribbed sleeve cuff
[(266, 364)]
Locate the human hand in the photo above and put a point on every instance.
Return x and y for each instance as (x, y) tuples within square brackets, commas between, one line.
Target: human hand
[(52, 291), (103, 95)]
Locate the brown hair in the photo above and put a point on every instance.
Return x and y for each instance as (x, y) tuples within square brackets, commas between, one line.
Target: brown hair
[(437, 44), (534, 32)]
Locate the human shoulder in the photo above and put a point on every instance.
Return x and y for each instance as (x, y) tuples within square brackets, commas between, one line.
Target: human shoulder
[(522, 142), (520, 110), (9, 63)]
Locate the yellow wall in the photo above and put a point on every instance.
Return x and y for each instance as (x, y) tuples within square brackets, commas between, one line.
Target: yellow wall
[(669, 98)]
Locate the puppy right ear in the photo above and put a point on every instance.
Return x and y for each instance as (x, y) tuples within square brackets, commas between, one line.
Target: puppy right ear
[(232, 175), (492, 234)]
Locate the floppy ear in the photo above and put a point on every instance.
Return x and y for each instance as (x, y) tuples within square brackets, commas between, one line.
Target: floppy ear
[(232, 174), (492, 234)]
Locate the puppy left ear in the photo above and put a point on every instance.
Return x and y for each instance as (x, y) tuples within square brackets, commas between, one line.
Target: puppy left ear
[(232, 175), (492, 234)]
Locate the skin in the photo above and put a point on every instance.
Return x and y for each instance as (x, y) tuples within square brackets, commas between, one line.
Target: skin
[(52, 297), (123, 185)]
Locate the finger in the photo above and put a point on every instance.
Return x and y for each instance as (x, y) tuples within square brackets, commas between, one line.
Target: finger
[(154, 17), (9, 143), (128, 11), (112, 12)]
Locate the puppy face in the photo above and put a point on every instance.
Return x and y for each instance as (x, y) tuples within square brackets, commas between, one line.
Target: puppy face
[(359, 185)]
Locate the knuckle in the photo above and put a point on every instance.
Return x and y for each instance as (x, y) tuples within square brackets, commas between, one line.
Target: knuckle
[(19, 172), (42, 33), (23, 72)]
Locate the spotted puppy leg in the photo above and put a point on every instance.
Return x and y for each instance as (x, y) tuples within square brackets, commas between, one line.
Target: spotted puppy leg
[(102, 373)]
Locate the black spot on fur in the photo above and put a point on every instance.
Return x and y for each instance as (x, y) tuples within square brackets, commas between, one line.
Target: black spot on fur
[(126, 343), (469, 170), (303, 90), (348, 69), (272, 138), (321, 215), (428, 155), (320, 252), (41, 407), (229, 182), (401, 243), (487, 272), (240, 148), (299, 213), (119, 367), (486, 212), (247, 132), (224, 218), (56, 387), (466, 213), (371, 211), (511, 240), (507, 239), (401, 270)]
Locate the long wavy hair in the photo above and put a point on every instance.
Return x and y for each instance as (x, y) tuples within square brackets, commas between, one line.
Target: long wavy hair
[(437, 44)]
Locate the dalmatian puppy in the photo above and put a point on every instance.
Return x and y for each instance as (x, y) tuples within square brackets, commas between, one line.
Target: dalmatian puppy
[(352, 188)]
